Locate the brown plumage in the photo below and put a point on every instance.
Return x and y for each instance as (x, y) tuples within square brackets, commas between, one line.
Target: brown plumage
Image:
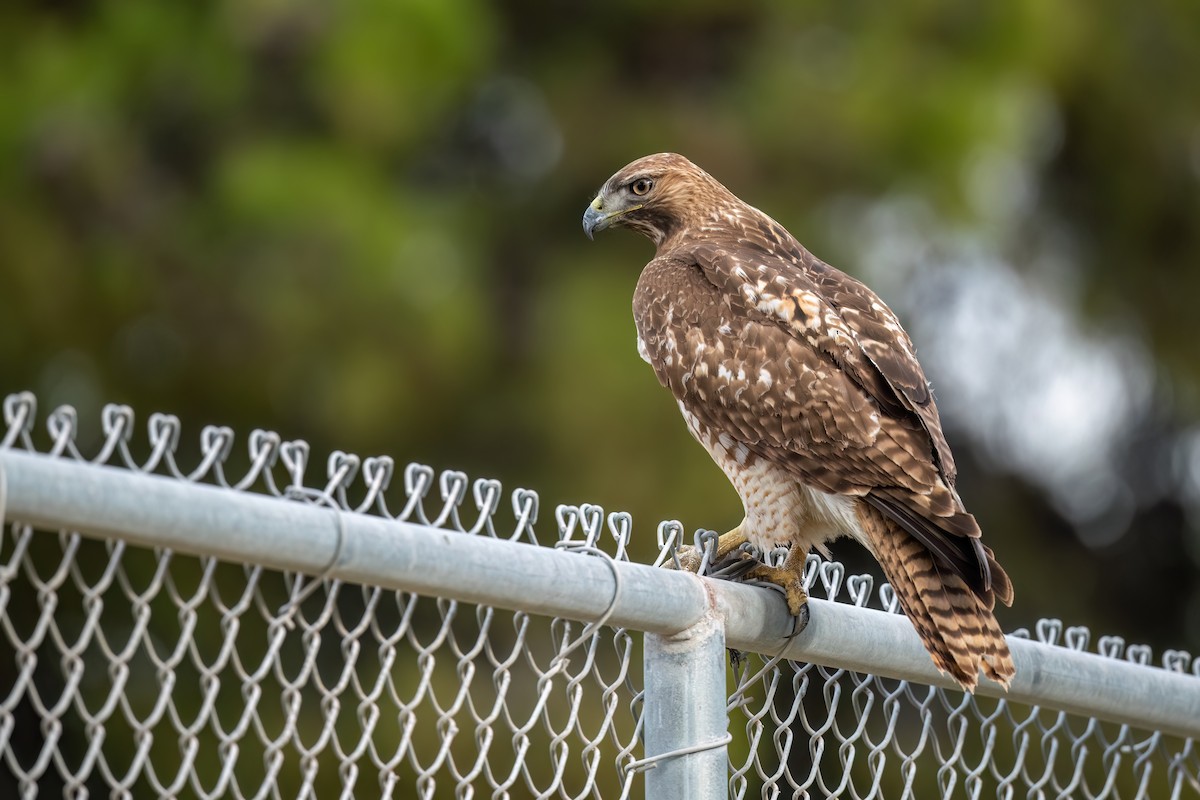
[(804, 388)]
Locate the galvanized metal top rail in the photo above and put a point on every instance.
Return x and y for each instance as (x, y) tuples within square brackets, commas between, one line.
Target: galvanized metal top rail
[(156, 511)]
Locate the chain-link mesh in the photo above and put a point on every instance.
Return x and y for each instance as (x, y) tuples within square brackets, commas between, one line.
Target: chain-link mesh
[(133, 672), (811, 731)]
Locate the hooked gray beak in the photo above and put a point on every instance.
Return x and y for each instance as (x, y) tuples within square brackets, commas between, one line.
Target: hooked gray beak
[(594, 219)]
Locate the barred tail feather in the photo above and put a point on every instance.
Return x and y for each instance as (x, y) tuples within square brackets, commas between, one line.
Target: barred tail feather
[(954, 622)]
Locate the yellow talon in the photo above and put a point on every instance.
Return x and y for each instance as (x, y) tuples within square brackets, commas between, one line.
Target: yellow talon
[(789, 577), (690, 558)]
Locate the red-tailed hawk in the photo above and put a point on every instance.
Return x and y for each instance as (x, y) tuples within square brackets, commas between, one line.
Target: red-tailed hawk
[(806, 391)]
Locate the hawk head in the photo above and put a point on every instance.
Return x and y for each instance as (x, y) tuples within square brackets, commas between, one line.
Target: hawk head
[(659, 195)]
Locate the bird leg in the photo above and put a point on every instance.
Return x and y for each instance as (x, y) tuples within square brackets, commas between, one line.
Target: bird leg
[(790, 578), (690, 558)]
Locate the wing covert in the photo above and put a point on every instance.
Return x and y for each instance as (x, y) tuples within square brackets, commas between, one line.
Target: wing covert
[(776, 279)]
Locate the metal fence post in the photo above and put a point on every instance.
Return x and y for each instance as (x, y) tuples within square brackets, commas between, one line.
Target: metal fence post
[(685, 721)]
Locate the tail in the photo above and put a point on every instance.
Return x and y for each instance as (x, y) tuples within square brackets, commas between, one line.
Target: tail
[(955, 622)]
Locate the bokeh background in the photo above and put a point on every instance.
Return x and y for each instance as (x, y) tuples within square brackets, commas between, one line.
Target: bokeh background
[(359, 224)]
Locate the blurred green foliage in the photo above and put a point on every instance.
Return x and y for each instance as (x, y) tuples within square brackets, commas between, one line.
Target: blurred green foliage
[(358, 224)]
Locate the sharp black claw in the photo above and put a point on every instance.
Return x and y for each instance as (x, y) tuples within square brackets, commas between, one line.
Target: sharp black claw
[(733, 566), (799, 622)]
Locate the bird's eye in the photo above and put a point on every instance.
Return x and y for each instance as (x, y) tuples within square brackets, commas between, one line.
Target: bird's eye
[(641, 186)]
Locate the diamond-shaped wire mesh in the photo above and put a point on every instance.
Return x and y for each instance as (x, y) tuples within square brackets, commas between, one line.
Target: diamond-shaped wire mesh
[(155, 674), (128, 671), (812, 731)]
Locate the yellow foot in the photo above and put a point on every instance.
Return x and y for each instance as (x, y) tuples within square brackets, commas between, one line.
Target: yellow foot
[(790, 581), (790, 578), (690, 558)]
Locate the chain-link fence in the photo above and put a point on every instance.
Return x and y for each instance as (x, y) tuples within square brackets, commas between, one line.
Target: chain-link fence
[(168, 631)]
